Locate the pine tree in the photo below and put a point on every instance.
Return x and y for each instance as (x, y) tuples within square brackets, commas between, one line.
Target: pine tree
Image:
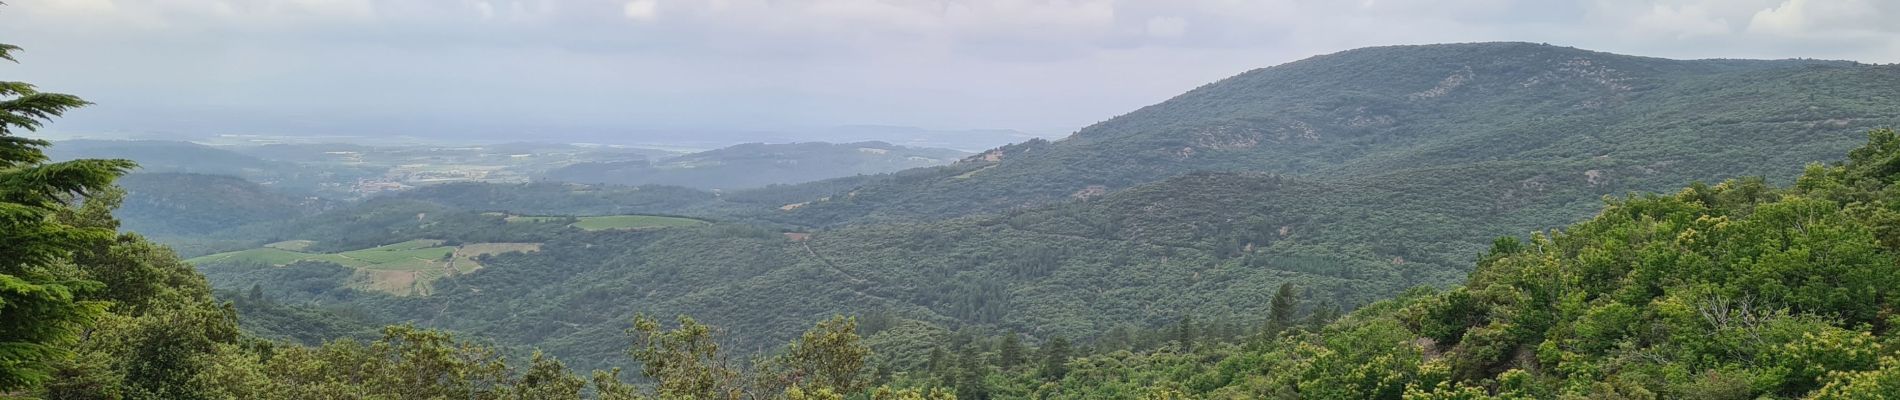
[(1055, 359), (1009, 354), (41, 296), (1185, 333), (1285, 303), (970, 375)]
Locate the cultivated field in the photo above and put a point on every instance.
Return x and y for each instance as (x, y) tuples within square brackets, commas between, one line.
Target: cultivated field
[(405, 268)]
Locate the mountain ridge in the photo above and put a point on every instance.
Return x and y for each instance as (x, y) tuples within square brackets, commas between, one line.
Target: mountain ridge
[(1280, 119)]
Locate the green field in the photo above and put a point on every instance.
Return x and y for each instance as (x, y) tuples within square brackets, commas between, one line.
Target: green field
[(607, 222), (404, 268)]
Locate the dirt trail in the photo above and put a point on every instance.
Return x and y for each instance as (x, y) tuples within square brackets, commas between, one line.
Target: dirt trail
[(853, 280)]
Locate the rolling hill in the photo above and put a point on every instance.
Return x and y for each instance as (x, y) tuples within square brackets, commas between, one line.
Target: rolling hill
[(174, 204), (1579, 117), (162, 156)]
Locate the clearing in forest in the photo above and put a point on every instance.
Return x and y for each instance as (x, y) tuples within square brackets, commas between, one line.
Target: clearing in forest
[(405, 268)]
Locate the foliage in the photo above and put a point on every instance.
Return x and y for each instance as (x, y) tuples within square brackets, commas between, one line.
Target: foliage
[(45, 300), (1735, 290), (166, 204)]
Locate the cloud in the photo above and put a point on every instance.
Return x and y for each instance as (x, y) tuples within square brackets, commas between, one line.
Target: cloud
[(641, 10), (1032, 64), (1808, 17), (485, 9), (1167, 27), (1681, 21)]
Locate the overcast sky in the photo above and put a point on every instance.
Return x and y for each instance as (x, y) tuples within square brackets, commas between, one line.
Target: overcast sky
[(600, 68)]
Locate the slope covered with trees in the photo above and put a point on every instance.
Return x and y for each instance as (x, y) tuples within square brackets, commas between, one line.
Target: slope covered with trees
[(1577, 118), (1736, 290), (162, 204)]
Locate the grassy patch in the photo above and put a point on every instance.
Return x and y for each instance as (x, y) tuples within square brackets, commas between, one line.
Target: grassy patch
[(275, 256), (405, 268)]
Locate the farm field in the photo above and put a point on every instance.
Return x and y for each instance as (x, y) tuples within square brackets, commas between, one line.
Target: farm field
[(607, 222), (404, 268)]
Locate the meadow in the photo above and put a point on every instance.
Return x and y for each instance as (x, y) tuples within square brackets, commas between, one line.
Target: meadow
[(403, 268)]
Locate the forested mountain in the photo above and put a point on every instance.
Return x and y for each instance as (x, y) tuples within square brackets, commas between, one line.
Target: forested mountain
[(1737, 290), (1574, 117), (758, 164), (167, 204)]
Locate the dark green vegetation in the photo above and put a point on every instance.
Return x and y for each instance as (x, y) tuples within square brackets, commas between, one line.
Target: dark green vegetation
[(1739, 290), (1125, 260), (180, 204), (1549, 119), (757, 165)]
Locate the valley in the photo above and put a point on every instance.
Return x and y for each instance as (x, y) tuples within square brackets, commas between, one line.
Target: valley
[(1174, 211)]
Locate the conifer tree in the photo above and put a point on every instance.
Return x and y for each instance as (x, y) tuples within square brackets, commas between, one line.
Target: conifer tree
[(1055, 359), (42, 306), (1285, 303), (1009, 354)]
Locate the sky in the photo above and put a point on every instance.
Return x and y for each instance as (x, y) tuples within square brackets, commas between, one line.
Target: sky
[(607, 70)]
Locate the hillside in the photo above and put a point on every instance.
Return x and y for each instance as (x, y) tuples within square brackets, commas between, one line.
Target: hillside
[(1737, 290), (161, 156), (1209, 245), (1580, 118), (176, 204), (757, 165)]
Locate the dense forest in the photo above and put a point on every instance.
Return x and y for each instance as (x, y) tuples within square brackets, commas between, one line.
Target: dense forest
[(1546, 117), (1286, 233)]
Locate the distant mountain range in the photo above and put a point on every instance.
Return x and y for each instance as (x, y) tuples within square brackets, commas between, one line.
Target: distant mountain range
[(1546, 118)]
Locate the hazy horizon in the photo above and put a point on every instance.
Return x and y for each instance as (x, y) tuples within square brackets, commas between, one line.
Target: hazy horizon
[(727, 71)]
